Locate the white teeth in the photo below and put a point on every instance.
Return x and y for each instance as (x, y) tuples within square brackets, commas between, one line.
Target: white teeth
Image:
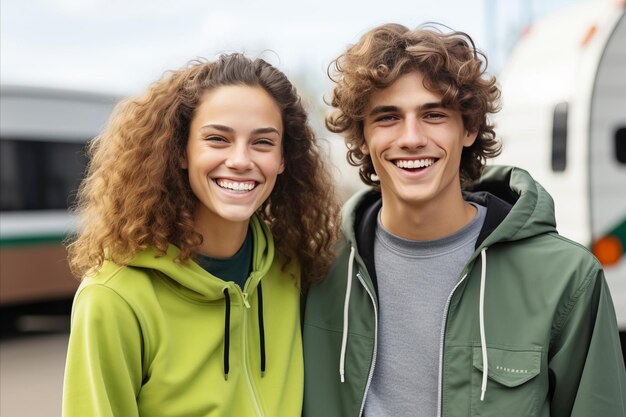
[(415, 163), (235, 186)]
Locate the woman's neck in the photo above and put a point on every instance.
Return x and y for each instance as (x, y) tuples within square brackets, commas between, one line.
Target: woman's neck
[(220, 238)]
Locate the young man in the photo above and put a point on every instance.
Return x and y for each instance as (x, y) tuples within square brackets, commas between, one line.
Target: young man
[(445, 301)]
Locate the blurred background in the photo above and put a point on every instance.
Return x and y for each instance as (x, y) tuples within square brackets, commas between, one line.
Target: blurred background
[(65, 63)]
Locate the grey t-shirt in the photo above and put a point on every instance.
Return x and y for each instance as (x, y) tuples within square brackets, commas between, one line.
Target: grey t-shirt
[(415, 279)]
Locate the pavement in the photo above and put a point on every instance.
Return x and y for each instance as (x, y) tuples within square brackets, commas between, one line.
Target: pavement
[(31, 372)]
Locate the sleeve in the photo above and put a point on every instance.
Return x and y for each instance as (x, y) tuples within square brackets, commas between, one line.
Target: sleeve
[(587, 372), (103, 371)]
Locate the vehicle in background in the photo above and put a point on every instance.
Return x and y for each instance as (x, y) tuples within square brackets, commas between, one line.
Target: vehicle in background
[(564, 120), (43, 137)]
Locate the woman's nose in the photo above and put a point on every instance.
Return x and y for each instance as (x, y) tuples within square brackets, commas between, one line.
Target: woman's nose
[(239, 158)]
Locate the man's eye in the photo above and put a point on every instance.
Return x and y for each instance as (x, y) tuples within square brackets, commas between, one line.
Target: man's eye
[(434, 116), (386, 118)]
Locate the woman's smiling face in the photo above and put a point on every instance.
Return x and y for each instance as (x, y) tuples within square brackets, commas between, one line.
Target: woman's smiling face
[(234, 152)]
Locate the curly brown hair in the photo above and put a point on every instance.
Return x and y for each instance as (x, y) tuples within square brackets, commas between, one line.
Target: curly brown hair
[(136, 195), (452, 67)]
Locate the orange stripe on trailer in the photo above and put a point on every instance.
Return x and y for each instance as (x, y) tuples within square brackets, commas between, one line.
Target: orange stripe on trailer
[(589, 34)]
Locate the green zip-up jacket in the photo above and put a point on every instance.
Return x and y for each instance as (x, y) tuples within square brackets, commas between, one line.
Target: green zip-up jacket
[(157, 338), (545, 327)]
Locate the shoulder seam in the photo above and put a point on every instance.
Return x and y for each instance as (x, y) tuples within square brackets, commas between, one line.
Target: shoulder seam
[(564, 316), (140, 319)]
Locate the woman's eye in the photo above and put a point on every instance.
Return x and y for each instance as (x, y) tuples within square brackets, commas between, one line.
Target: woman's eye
[(264, 142), (216, 139)]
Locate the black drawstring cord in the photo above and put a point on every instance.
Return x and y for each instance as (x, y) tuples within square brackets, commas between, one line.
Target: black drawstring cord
[(226, 334), (261, 329)]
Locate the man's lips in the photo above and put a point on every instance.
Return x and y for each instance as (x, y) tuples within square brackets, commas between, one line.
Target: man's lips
[(414, 163)]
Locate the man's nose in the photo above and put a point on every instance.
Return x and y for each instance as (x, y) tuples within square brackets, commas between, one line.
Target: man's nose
[(413, 134)]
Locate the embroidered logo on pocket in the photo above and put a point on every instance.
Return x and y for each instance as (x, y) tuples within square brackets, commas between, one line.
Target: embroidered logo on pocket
[(512, 382), (509, 367)]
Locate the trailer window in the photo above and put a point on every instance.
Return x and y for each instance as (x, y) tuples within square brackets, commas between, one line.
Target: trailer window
[(39, 175), (620, 145), (559, 137)]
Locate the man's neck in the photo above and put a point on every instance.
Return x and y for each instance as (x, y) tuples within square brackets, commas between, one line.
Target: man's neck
[(427, 222)]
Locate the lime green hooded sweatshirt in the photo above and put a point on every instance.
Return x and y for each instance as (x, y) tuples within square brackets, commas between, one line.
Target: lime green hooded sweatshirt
[(163, 339)]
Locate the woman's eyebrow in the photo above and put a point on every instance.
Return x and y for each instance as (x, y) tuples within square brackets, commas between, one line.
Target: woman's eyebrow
[(227, 129)]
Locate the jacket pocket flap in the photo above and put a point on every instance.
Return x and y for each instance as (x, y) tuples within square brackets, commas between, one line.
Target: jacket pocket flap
[(509, 367)]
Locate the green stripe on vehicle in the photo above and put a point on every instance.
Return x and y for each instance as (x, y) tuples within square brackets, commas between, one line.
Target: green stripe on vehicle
[(619, 232), (55, 239)]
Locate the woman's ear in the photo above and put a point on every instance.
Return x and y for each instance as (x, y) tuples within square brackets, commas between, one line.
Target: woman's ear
[(183, 161), (281, 169)]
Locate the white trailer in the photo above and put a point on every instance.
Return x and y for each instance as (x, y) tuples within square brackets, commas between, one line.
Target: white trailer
[(564, 120)]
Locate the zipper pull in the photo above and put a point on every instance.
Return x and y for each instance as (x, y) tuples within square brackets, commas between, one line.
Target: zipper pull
[(245, 299)]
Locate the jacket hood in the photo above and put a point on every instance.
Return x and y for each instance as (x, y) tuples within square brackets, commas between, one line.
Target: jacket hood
[(525, 208), (531, 207), (197, 283)]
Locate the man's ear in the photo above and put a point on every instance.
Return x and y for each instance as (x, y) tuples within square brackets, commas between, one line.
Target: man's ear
[(364, 149), (469, 138)]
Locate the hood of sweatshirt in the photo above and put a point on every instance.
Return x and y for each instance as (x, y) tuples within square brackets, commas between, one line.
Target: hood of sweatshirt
[(195, 282)]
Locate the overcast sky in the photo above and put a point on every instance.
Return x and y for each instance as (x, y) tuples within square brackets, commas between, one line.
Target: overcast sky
[(121, 46)]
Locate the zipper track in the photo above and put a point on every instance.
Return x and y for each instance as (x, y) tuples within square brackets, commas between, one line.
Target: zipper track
[(441, 342), (371, 372), (246, 365)]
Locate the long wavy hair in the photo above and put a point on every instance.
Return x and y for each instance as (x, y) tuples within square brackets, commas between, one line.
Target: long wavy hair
[(452, 67), (136, 195)]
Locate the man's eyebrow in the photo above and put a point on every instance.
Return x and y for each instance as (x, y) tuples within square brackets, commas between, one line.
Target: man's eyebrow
[(432, 105), (391, 109), (382, 109)]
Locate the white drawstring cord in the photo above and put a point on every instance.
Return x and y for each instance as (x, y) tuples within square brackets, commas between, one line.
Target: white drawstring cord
[(346, 305), (481, 315)]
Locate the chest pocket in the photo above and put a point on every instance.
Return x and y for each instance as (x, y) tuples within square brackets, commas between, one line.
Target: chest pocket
[(513, 386)]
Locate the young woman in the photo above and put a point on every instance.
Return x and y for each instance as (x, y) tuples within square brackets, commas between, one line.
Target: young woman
[(204, 201)]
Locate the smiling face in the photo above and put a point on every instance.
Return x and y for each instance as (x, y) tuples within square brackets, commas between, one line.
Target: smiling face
[(415, 144), (233, 154)]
